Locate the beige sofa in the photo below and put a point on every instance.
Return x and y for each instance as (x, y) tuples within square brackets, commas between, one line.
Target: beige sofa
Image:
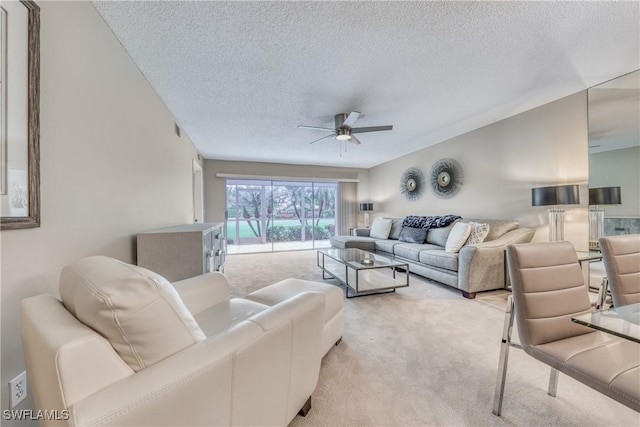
[(124, 347), (475, 268)]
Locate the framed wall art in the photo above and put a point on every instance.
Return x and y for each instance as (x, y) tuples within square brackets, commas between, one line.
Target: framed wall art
[(19, 115)]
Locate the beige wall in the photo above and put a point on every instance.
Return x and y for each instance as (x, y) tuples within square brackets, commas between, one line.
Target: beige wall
[(111, 165), (501, 163), (618, 168), (214, 187)]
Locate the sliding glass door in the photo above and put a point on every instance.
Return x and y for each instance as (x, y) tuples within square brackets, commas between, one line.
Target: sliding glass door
[(264, 216)]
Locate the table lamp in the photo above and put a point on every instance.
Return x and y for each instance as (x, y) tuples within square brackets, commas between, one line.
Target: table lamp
[(598, 197), (556, 196), (366, 208)]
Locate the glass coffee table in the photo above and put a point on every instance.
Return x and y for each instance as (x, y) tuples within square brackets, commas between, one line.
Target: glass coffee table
[(362, 273)]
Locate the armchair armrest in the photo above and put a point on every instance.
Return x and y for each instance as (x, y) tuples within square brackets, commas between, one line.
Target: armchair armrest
[(198, 378), (202, 292), (266, 363), (362, 232), (481, 266)]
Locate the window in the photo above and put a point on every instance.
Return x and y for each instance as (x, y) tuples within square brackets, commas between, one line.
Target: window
[(265, 215)]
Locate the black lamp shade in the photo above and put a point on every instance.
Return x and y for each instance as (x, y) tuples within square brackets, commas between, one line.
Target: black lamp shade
[(557, 195), (543, 196), (605, 196), (366, 207), (568, 194)]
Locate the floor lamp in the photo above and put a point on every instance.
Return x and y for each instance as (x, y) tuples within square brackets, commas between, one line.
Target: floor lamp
[(366, 208), (598, 197), (556, 196)]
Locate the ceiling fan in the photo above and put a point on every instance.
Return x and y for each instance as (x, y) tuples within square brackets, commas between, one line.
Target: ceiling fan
[(344, 129)]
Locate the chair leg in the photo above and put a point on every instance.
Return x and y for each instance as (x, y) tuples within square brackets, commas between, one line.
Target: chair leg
[(305, 408), (553, 382), (602, 294), (504, 358)]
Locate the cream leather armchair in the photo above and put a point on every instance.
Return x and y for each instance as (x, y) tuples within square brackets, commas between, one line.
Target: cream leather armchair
[(124, 347)]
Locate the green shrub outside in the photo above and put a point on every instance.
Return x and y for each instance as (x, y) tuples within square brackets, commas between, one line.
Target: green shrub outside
[(288, 233)]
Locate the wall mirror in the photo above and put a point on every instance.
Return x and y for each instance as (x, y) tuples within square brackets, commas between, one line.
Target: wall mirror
[(19, 114), (614, 157)]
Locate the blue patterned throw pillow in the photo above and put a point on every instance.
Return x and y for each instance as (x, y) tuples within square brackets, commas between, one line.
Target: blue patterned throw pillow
[(413, 235), (415, 221)]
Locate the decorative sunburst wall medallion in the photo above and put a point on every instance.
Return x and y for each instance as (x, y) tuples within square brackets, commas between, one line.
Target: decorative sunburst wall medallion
[(412, 184), (446, 178)]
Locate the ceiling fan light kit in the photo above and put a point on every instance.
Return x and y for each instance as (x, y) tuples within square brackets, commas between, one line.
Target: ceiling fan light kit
[(344, 129), (343, 135)]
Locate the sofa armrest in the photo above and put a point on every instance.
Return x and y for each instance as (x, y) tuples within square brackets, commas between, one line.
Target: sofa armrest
[(199, 376), (481, 266), (518, 235), (202, 292), (301, 318), (361, 232), (214, 382)]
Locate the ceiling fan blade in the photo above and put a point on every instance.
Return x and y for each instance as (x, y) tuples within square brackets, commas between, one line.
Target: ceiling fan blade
[(316, 128), (354, 140), (324, 137), (371, 129), (351, 119)]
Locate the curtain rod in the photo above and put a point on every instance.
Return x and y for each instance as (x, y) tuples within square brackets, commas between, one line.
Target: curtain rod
[(283, 178)]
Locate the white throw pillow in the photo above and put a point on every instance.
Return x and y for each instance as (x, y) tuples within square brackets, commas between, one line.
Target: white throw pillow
[(381, 228), (479, 232), (458, 236)]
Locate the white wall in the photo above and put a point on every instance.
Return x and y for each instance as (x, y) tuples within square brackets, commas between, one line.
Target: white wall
[(215, 193), (501, 163), (618, 168), (111, 165)]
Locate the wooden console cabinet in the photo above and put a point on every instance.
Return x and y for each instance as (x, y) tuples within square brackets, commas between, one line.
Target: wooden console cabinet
[(183, 251)]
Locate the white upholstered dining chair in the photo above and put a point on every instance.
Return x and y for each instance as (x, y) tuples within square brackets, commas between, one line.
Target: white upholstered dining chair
[(621, 257), (548, 290)]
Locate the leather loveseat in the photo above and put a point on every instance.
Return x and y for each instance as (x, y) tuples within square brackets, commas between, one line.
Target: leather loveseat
[(474, 268), (125, 347)]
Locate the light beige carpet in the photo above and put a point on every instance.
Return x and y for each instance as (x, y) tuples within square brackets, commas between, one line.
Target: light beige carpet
[(426, 356)]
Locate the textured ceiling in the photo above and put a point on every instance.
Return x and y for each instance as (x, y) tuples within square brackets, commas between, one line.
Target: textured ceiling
[(240, 76)]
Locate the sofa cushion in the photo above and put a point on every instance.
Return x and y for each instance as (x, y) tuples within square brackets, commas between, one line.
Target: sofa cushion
[(380, 228), (413, 235), (439, 258), (396, 228), (478, 233), (345, 242), (136, 310), (497, 227), (224, 315), (386, 245), (458, 236), (412, 250), (438, 236)]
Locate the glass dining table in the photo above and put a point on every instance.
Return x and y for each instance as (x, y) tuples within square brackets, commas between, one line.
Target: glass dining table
[(623, 321)]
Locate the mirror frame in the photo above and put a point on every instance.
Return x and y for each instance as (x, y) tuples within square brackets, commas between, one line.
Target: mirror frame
[(32, 220)]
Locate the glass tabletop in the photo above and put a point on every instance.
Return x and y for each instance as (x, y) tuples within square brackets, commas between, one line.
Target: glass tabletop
[(589, 255), (359, 259), (623, 321)]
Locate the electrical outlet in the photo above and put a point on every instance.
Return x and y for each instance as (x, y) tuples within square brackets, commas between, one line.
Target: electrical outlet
[(18, 389)]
